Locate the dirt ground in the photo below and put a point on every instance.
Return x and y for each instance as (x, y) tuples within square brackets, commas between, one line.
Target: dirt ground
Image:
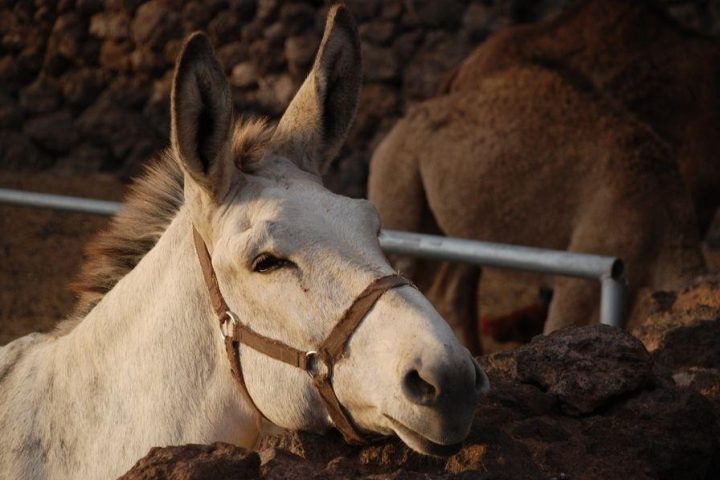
[(41, 250)]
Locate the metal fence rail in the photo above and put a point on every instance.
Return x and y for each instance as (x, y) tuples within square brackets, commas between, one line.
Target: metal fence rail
[(609, 271)]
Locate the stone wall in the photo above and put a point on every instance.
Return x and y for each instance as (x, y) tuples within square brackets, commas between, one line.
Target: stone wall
[(84, 84)]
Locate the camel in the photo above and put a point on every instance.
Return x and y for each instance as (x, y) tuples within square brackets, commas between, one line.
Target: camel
[(234, 215), (546, 136)]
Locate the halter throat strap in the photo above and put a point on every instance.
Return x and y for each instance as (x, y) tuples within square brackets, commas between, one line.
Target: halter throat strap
[(318, 363)]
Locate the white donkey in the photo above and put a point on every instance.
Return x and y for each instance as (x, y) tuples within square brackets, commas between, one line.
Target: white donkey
[(148, 365)]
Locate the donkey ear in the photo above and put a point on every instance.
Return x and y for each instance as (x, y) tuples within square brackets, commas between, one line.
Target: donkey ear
[(202, 116), (315, 125)]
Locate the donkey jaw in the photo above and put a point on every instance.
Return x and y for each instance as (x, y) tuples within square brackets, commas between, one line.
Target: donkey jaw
[(422, 444)]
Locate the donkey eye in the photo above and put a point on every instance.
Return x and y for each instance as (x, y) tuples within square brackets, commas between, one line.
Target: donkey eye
[(265, 263)]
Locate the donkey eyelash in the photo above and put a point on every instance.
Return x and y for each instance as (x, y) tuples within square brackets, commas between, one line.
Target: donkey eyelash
[(266, 262)]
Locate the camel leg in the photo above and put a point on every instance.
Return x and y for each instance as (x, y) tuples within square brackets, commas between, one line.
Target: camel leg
[(575, 302), (453, 291)]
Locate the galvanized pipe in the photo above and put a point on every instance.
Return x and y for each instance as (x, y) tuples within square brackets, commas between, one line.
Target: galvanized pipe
[(58, 202), (612, 301), (501, 255), (608, 271)]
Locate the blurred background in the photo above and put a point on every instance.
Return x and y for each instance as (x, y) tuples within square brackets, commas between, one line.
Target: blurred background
[(84, 88)]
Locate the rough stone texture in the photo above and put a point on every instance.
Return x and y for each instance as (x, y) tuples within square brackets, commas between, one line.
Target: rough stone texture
[(682, 332), (584, 368), (634, 425), (218, 461), (668, 314), (63, 57)]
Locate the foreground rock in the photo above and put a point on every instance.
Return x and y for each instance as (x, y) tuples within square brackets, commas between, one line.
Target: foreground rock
[(218, 461), (682, 332), (587, 403)]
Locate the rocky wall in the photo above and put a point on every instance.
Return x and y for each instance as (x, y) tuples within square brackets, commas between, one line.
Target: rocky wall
[(84, 84)]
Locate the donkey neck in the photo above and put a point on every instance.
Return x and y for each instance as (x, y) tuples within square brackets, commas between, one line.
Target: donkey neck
[(147, 364)]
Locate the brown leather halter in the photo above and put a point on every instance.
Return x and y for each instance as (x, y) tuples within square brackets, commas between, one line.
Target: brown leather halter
[(317, 363)]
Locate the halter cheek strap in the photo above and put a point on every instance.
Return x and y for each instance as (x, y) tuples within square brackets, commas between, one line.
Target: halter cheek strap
[(318, 363)]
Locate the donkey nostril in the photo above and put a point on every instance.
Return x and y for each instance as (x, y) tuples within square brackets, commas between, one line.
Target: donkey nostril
[(417, 389)]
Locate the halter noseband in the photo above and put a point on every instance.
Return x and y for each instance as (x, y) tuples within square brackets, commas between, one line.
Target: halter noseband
[(317, 363)]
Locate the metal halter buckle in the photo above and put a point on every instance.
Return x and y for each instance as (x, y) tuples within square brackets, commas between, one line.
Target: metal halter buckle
[(228, 330), (317, 366)]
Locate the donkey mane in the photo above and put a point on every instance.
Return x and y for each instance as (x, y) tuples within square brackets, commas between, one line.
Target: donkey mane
[(152, 201)]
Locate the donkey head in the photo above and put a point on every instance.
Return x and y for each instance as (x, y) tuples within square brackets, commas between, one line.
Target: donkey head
[(290, 256)]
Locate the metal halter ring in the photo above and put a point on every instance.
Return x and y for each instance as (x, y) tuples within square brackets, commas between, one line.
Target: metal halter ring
[(314, 360), (233, 320)]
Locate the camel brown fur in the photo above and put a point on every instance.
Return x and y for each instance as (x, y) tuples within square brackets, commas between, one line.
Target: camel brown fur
[(640, 58), (529, 156)]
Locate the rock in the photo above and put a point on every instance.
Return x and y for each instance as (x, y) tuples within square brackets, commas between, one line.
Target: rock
[(219, 461), (711, 245), (88, 7), (224, 27), (115, 26), (300, 52), (244, 8), (231, 55), (244, 75), (8, 70), (585, 367), (52, 131), (275, 93), (154, 24), (280, 464), (429, 13), (658, 417), (146, 61), (692, 346), (275, 34), (10, 114), (115, 56), (364, 9), (129, 91), (406, 44), (85, 158), (40, 96), (267, 9), (705, 381), (392, 9), (18, 153), (68, 33), (377, 33), (477, 21), (297, 17), (309, 446), (195, 15), (379, 63), (268, 57), (81, 87), (171, 51), (432, 65), (665, 312), (44, 15), (109, 123)]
